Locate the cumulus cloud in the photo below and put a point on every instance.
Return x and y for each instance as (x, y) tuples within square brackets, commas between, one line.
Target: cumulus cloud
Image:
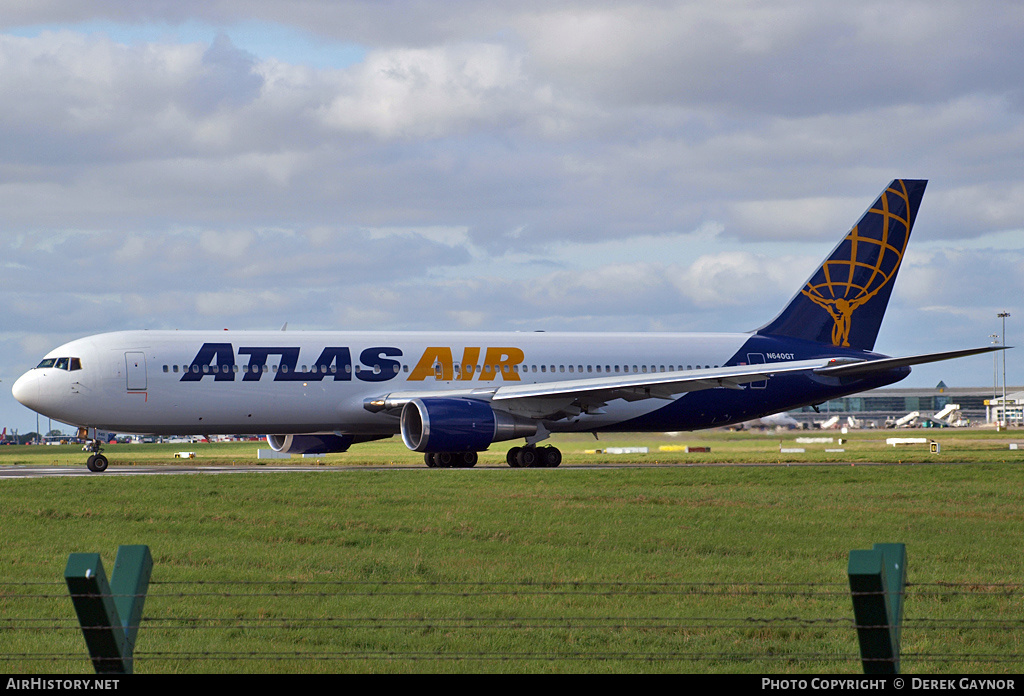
[(429, 92), (736, 278)]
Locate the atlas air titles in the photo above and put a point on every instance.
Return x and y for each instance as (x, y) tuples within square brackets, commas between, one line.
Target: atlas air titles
[(375, 364)]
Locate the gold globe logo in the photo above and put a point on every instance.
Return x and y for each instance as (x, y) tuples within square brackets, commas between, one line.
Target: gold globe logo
[(863, 264)]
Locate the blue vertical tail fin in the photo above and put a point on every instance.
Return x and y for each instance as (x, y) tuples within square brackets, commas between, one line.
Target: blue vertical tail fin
[(844, 301)]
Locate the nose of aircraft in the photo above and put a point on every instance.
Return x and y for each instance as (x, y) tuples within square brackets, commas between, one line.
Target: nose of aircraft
[(26, 390)]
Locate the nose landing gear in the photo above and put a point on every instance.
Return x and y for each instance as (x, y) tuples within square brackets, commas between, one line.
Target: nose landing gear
[(96, 461)]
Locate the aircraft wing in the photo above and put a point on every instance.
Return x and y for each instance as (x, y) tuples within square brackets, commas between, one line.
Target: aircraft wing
[(572, 397), (568, 397), (863, 367)]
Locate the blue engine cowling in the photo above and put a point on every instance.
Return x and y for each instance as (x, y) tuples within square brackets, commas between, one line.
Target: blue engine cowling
[(458, 425)]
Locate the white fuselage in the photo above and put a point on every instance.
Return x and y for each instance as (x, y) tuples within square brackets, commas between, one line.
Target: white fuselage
[(259, 382)]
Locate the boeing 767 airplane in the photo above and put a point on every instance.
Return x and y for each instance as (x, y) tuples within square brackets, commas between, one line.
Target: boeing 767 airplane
[(452, 395)]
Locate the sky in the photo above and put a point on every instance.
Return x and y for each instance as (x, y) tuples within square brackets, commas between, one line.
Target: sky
[(556, 165)]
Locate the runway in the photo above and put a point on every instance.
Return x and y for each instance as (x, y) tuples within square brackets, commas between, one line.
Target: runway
[(22, 472), (16, 472), (31, 472)]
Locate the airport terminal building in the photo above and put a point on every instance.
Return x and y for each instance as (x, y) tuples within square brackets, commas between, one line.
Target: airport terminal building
[(875, 408)]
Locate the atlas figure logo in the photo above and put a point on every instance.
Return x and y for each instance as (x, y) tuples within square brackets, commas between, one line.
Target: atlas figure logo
[(862, 265), (376, 364)]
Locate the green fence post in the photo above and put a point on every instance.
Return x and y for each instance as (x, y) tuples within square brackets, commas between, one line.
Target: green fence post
[(129, 582), (100, 605), (877, 578)]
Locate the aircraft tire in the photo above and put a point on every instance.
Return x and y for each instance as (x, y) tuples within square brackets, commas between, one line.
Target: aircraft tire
[(527, 457), (467, 460), (429, 460), (550, 457), (97, 463), (512, 458)]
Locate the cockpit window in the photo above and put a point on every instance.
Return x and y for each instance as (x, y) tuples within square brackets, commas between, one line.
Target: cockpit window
[(69, 364)]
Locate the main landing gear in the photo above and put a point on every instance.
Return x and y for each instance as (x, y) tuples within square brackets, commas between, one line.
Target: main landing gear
[(528, 457), (531, 457), (450, 460)]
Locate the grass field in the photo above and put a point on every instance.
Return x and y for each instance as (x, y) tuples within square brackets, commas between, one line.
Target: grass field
[(741, 447), (634, 569)]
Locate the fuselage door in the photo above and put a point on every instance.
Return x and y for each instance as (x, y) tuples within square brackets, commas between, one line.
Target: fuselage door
[(135, 367), (756, 359)]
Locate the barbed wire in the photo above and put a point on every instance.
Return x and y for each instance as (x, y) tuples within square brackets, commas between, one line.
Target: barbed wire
[(506, 623), (437, 656), (952, 658), (781, 587), (391, 588), (473, 623), (18, 591)]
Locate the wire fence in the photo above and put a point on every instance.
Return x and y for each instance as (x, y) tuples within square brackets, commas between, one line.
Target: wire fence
[(286, 625)]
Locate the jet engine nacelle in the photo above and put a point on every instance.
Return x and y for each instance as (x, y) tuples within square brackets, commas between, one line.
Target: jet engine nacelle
[(310, 444), (458, 425)]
